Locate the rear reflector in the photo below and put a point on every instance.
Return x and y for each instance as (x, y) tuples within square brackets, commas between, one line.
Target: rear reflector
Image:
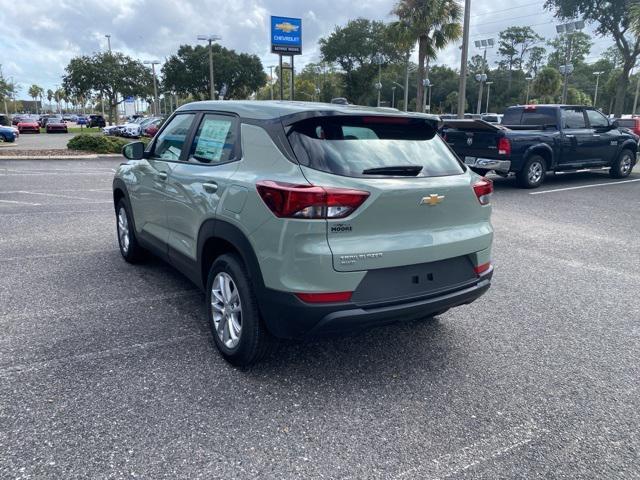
[(287, 200), (480, 269), (504, 146), (334, 297), (483, 190)]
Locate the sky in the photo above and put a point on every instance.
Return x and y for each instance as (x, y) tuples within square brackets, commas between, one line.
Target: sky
[(39, 38)]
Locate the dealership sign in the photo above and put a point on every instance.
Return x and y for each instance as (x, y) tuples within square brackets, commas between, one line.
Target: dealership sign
[(286, 35)]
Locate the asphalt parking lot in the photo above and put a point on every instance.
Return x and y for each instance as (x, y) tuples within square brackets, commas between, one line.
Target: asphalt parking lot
[(108, 370), (41, 141)]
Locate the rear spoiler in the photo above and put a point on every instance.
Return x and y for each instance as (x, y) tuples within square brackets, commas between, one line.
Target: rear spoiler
[(474, 125)]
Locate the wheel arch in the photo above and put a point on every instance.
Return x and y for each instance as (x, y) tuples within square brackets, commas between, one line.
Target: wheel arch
[(628, 145), (542, 150), (217, 237)]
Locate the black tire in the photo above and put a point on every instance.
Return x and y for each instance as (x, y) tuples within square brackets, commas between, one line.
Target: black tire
[(623, 165), (130, 249), (532, 173), (254, 341)]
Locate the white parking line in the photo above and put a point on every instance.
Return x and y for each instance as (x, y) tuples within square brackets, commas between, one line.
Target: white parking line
[(585, 186), (51, 195), (21, 203)]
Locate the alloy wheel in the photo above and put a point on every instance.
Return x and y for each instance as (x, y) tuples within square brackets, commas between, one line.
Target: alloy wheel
[(123, 230), (625, 164), (535, 172), (226, 308)]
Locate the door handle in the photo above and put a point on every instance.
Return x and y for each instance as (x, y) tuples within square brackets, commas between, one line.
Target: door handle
[(210, 187), (568, 135), (161, 175), (596, 135)]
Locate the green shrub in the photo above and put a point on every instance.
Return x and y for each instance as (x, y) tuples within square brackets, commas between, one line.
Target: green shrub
[(99, 143)]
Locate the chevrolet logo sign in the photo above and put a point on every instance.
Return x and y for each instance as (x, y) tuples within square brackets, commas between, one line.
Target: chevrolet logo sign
[(431, 200), (287, 27)]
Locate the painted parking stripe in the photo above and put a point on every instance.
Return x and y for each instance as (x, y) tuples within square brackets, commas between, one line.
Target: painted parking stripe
[(21, 203), (585, 186)]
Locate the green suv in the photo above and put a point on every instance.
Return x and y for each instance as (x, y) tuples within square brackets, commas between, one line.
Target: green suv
[(305, 219)]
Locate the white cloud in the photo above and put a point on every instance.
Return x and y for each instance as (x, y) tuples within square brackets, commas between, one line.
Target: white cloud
[(41, 37)]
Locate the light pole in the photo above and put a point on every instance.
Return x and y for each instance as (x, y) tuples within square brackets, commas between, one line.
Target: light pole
[(210, 38), (528, 79), (156, 105), (595, 95), (271, 67), (430, 87), (485, 44), (393, 97), (425, 83), (567, 68), (462, 88), (108, 37), (488, 84), (378, 58)]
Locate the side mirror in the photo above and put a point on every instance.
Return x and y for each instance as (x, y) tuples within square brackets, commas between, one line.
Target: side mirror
[(133, 151), (614, 124)]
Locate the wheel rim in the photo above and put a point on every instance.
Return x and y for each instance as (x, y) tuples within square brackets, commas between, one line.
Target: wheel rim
[(226, 308), (123, 230), (625, 164), (535, 172)]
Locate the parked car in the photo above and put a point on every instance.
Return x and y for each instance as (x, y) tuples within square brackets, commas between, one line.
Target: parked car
[(632, 124), (152, 127), (5, 121), (45, 119), (494, 118), (16, 119), (28, 125), (301, 219), (132, 129), (8, 134), (97, 121), (81, 120), (56, 125), (113, 130), (535, 139)]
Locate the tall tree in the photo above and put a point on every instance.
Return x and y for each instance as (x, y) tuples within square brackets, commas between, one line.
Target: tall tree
[(535, 60), (187, 72), (611, 19), (513, 45), (35, 92), (434, 23), (580, 48), (354, 47), (106, 73), (547, 84)]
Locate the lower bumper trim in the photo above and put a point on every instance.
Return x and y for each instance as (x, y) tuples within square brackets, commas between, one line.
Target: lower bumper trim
[(488, 163)]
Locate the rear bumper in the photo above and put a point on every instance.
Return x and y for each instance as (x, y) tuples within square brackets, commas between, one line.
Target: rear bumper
[(288, 317), (488, 164)]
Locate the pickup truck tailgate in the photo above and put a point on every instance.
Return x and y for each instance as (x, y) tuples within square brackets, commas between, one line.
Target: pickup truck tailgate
[(473, 138)]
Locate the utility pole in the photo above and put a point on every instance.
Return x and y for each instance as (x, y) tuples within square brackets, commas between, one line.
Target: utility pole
[(595, 96), (567, 68), (393, 97), (379, 59), (488, 84), (156, 103), (406, 85), (211, 39), (463, 60), (426, 83), (528, 79)]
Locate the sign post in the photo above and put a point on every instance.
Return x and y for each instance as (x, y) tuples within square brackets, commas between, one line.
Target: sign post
[(286, 39)]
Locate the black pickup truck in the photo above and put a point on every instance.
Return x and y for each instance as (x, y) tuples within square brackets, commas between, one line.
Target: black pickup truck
[(535, 139)]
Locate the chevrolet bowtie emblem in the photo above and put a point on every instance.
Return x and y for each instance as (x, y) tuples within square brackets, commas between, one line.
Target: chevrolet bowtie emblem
[(431, 200)]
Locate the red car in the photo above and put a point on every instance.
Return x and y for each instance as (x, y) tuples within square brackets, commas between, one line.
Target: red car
[(56, 125), (151, 129), (632, 124), (28, 125)]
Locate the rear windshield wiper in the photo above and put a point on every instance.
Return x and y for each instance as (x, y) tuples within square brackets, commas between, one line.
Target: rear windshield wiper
[(404, 170)]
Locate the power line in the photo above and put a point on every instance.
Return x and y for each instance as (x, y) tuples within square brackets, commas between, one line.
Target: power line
[(501, 20), (507, 9)]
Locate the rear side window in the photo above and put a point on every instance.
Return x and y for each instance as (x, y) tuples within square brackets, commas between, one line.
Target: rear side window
[(214, 140), (356, 146), (573, 118), (530, 116), (171, 140)]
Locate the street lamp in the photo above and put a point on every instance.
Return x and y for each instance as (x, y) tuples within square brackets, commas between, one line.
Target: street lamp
[(210, 38), (567, 68), (427, 84), (484, 44), (488, 84), (393, 97), (271, 67), (153, 64), (108, 37), (595, 96), (378, 58)]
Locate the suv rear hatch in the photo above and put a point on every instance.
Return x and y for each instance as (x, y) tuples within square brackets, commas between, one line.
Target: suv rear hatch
[(473, 138), (421, 205)]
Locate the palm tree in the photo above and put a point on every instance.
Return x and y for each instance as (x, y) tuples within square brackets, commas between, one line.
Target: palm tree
[(35, 92), (434, 23), (49, 96)]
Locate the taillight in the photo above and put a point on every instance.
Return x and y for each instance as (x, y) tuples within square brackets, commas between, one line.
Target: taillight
[(481, 269), (504, 146), (334, 297), (483, 190), (287, 200)]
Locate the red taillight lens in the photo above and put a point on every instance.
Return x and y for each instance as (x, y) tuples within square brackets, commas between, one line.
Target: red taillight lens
[(334, 297), (287, 200), (483, 190), (504, 146), (480, 269)]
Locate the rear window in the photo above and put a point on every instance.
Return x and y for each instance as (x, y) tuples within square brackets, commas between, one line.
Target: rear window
[(534, 117), (372, 147)]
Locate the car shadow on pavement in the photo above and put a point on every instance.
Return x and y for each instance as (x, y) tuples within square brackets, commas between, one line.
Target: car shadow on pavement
[(573, 179)]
